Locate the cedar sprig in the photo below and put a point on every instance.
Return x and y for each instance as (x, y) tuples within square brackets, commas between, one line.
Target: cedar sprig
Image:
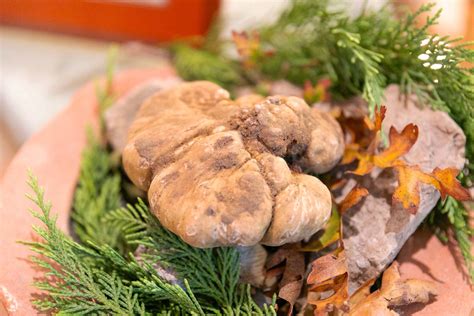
[(72, 286), (311, 41), (213, 274), (89, 278), (197, 64), (97, 192)]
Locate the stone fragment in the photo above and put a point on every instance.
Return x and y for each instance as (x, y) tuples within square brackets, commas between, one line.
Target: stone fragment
[(120, 115), (374, 230), (252, 265)]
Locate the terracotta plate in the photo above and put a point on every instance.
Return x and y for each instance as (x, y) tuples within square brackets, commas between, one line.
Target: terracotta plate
[(54, 153)]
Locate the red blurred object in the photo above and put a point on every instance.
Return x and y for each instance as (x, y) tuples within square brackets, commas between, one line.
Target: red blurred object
[(145, 20)]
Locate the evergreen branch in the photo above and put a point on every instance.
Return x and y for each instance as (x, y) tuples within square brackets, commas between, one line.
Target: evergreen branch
[(73, 287), (194, 64), (98, 192), (96, 279), (212, 274), (104, 93), (311, 41)]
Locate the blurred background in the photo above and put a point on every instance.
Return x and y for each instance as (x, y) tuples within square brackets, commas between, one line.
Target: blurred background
[(49, 48)]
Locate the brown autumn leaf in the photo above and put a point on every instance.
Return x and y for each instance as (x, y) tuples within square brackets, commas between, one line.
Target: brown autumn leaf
[(361, 293), (378, 118), (351, 153), (328, 273), (375, 127), (400, 144), (394, 292), (364, 136), (292, 281), (352, 198)]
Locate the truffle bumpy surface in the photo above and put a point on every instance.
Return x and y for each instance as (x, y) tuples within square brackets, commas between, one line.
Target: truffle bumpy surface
[(222, 172)]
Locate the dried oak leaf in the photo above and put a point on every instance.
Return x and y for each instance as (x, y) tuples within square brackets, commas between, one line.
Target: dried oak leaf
[(352, 198), (448, 184), (410, 177), (220, 172), (328, 281), (362, 133), (400, 144), (393, 292), (292, 281)]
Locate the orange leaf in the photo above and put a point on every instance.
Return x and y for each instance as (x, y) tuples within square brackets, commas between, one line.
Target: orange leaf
[(408, 191), (394, 292), (449, 185), (365, 166), (351, 153), (379, 116), (361, 293), (409, 177), (400, 144), (352, 198), (338, 184), (308, 91), (337, 299), (318, 92), (248, 46)]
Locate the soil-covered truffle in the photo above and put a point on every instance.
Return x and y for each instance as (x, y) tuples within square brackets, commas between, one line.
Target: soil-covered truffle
[(220, 172)]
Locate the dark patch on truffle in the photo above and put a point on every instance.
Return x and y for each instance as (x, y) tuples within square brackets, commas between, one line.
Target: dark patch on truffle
[(170, 177), (220, 197), (253, 193), (225, 162), (275, 100), (227, 219), (211, 212), (223, 142)]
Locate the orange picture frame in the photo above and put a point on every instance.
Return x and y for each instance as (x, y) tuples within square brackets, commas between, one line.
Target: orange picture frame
[(145, 20)]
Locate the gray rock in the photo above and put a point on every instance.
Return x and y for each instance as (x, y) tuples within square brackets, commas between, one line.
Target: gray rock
[(374, 230), (278, 87), (120, 115), (252, 264), (283, 87)]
